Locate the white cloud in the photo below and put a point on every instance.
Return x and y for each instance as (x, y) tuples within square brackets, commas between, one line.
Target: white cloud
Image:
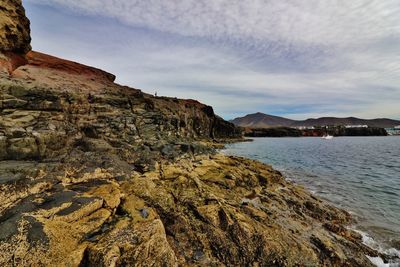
[(311, 22), (333, 57)]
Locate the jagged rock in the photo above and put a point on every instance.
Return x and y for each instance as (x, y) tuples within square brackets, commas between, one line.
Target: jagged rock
[(169, 217), (141, 244), (54, 114), (14, 27)]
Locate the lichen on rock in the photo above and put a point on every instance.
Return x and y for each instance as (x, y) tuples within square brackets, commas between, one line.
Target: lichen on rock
[(217, 210)]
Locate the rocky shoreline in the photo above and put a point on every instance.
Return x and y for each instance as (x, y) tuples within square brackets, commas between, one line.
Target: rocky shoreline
[(318, 132), (94, 173), (207, 210)]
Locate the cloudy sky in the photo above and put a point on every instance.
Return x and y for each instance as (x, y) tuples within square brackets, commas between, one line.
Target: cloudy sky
[(290, 58)]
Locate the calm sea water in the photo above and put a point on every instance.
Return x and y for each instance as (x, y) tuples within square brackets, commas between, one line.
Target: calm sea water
[(359, 174)]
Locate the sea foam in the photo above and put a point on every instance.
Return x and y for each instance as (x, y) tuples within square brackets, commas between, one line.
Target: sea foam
[(370, 242)]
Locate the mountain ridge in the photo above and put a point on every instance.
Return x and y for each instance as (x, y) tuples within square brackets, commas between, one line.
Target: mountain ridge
[(262, 120)]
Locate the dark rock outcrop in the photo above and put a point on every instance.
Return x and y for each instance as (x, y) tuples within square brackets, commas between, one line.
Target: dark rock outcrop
[(358, 131), (273, 132), (54, 112), (333, 130)]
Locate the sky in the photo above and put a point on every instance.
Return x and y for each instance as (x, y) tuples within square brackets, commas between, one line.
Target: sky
[(292, 58)]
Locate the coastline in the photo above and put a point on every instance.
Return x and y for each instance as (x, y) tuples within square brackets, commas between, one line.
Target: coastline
[(366, 238), (337, 131), (382, 246), (93, 173), (202, 209)]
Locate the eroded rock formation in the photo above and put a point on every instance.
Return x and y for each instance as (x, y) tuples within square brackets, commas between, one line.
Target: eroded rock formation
[(208, 210), (51, 106), (14, 27), (97, 174)]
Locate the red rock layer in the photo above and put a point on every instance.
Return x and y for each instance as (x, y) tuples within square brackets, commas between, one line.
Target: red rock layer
[(46, 61)]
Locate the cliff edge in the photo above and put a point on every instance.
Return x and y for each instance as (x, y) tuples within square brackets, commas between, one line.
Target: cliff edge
[(93, 173)]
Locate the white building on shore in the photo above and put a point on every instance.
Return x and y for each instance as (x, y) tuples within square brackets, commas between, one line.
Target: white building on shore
[(393, 131), (356, 126), (305, 127)]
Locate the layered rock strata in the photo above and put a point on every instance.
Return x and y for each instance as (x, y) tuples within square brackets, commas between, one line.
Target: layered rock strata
[(97, 174), (51, 106)]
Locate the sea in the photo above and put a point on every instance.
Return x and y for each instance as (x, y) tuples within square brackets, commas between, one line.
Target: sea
[(358, 174)]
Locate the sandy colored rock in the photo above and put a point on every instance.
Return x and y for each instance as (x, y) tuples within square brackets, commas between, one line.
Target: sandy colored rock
[(141, 244), (14, 27), (190, 220), (198, 221)]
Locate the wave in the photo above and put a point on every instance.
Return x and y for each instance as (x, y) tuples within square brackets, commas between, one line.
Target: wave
[(378, 261)]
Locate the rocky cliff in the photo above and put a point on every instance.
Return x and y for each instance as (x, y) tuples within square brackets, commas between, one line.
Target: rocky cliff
[(52, 106), (273, 132), (14, 27), (97, 174)]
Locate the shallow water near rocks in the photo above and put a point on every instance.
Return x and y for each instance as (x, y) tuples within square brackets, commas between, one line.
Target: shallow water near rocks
[(359, 174)]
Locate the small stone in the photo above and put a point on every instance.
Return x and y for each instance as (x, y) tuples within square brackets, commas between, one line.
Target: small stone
[(198, 255), (52, 127), (144, 213)]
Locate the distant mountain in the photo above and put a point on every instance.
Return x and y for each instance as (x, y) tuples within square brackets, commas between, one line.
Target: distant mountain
[(261, 120)]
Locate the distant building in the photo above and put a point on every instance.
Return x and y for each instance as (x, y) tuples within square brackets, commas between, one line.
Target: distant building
[(393, 131), (305, 127), (356, 126)]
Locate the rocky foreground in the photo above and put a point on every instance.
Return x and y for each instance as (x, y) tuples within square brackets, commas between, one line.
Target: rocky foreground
[(208, 210), (97, 174)]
